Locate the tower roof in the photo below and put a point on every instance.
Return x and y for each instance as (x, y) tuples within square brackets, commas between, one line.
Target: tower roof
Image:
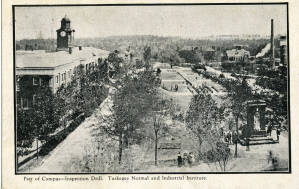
[(65, 19)]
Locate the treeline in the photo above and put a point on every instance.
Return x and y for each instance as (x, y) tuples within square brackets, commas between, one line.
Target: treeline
[(273, 79), (36, 44), (164, 49)]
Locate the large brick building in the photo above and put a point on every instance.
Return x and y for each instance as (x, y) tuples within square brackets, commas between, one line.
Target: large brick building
[(37, 68)]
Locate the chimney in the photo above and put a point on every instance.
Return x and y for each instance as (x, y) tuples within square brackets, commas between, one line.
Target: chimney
[(70, 50), (272, 43)]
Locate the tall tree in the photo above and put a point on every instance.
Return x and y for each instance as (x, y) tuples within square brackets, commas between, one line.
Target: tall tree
[(43, 119), (203, 115), (239, 93), (162, 109), (147, 54), (130, 104)]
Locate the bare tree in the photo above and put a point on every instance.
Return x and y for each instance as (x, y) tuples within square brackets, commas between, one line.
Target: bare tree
[(162, 109), (203, 119)]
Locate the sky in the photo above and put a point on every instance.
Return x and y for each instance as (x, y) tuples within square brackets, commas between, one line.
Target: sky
[(184, 21)]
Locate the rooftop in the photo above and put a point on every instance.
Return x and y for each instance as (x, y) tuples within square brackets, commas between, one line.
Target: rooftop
[(43, 59), (236, 52)]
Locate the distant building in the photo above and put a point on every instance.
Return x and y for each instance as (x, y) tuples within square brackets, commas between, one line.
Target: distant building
[(209, 53), (38, 67), (237, 54)]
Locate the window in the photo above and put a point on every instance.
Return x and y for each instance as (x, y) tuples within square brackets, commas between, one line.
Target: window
[(33, 99), (35, 81), (24, 103), (57, 79)]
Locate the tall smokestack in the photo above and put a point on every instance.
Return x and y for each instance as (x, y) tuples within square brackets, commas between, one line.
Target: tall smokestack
[(272, 43)]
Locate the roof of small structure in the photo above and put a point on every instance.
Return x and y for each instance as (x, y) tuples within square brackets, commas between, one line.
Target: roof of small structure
[(43, 59), (209, 49), (235, 52)]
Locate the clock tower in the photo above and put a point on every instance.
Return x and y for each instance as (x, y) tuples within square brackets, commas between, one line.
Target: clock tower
[(65, 34)]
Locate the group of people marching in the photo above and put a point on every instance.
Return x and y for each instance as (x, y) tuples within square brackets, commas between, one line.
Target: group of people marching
[(185, 159)]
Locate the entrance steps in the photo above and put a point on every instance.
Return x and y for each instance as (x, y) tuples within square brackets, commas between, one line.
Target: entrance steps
[(259, 140)]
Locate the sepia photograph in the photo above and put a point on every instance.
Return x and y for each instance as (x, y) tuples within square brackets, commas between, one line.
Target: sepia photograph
[(151, 88)]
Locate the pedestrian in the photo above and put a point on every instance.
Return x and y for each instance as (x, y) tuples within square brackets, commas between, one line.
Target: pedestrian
[(247, 140), (229, 137), (270, 156), (277, 133), (269, 130), (235, 140), (185, 159), (190, 159), (180, 160)]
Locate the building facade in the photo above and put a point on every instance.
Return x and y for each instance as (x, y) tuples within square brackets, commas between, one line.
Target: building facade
[(238, 54), (40, 68)]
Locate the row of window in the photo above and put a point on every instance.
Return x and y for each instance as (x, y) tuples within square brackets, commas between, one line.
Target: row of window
[(67, 75), (63, 76), (25, 103), (37, 81)]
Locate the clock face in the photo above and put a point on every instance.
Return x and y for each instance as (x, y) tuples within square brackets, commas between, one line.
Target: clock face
[(62, 34)]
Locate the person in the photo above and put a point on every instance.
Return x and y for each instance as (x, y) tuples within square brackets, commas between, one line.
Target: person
[(278, 133), (180, 160), (158, 71), (225, 138), (176, 87), (190, 159), (185, 159), (247, 140), (235, 137), (269, 130), (229, 137), (270, 156)]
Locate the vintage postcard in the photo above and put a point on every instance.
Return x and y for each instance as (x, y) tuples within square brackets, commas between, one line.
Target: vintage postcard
[(161, 94)]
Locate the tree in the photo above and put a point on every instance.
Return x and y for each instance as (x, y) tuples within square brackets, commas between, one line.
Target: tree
[(43, 121), (25, 136), (190, 56), (147, 55), (238, 94), (114, 63), (130, 105), (219, 152), (203, 116), (161, 109)]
